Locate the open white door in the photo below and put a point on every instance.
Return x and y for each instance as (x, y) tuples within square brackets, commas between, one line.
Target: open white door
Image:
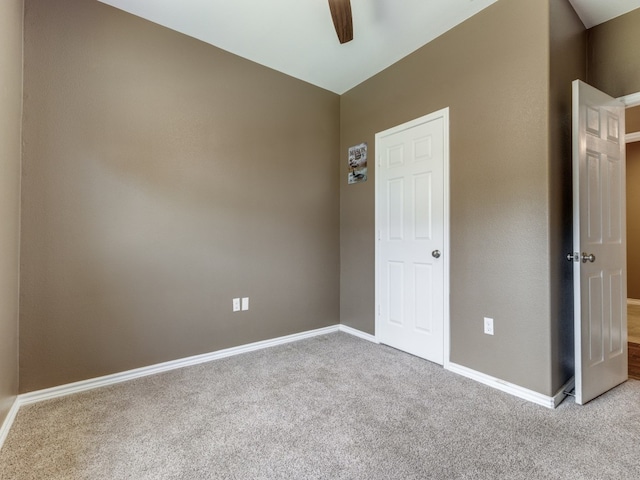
[(599, 242)]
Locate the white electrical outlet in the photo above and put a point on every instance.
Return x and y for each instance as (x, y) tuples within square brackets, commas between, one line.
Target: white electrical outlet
[(236, 304), (488, 325), (245, 303)]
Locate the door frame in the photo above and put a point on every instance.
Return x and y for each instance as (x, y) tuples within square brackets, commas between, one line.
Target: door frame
[(631, 100), (444, 114)]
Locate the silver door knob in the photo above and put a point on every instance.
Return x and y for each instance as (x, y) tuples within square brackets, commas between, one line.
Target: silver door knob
[(588, 258), (435, 254)]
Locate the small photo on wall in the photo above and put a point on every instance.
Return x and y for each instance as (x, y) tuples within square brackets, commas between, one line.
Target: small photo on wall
[(358, 163)]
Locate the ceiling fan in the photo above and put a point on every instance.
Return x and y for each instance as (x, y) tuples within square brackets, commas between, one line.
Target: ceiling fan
[(341, 15)]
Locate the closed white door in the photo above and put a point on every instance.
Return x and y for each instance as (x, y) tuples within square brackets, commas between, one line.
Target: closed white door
[(410, 248), (599, 242)]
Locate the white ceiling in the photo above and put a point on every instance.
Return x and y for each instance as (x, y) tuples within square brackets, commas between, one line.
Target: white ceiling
[(297, 37), (595, 12)]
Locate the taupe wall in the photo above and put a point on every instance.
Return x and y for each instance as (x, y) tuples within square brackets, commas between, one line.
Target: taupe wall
[(10, 120), (493, 73), (614, 67), (613, 61), (567, 48), (163, 177), (633, 205), (633, 224), (632, 117)]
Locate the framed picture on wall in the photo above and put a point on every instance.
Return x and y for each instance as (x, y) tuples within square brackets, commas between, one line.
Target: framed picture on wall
[(358, 163)]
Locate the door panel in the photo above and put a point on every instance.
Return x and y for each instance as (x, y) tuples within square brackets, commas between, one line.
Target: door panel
[(395, 292), (599, 242), (424, 308), (410, 222), (422, 206)]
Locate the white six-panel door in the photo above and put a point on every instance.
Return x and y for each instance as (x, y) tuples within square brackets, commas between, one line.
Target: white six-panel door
[(411, 253), (599, 234)]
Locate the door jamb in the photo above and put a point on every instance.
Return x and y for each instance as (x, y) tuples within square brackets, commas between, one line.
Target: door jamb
[(631, 100), (444, 114)]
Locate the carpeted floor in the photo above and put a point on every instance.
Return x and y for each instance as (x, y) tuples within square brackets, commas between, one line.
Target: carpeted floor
[(331, 407)]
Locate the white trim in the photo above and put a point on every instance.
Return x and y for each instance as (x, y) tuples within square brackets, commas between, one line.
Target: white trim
[(447, 243), (632, 137), (84, 385), (444, 114), (633, 301), (631, 100), (358, 333), (8, 421), (515, 390), (90, 384)]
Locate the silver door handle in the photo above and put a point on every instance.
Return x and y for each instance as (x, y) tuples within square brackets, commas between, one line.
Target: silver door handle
[(435, 254), (588, 258)]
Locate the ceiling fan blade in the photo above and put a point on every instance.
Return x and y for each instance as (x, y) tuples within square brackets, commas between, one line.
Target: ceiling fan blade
[(341, 15)]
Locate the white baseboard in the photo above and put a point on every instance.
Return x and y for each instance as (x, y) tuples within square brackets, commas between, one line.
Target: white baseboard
[(90, 384), (358, 333), (8, 422), (515, 390), (84, 385), (633, 301)]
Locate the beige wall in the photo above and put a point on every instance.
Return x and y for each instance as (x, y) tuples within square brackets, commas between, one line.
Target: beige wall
[(163, 177), (614, 67), (633, 205), (493, 73), (613, 62), (633, 119), (11, 12), (567, 62), (633, 225)]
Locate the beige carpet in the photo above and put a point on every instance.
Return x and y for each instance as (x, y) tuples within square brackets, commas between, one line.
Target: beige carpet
[(633, 323), (331, 407)]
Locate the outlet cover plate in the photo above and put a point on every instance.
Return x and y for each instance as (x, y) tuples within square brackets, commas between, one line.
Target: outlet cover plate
[(488, 325)]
